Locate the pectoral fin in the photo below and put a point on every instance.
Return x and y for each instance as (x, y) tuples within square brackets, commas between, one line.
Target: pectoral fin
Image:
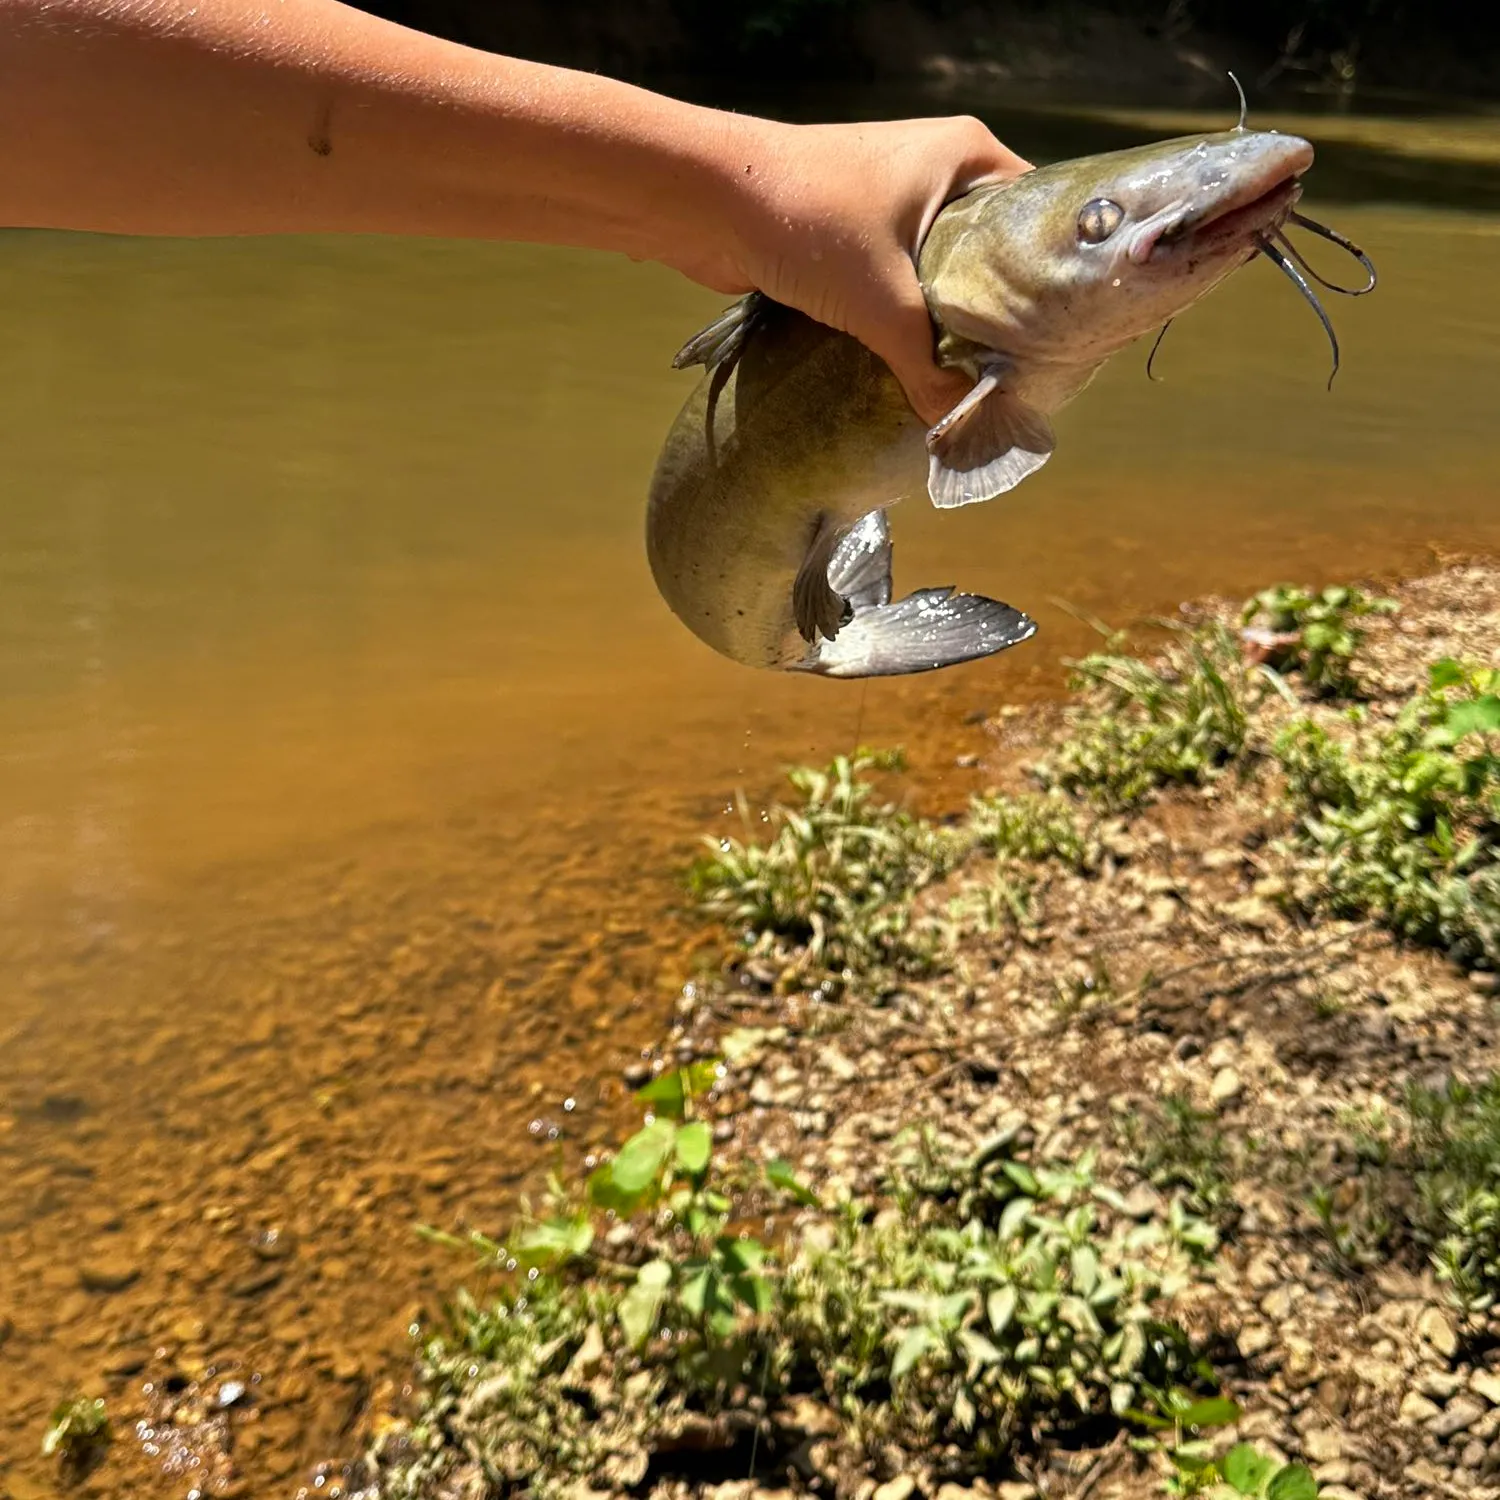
[(818, 609), (986, 445), (860, 568)]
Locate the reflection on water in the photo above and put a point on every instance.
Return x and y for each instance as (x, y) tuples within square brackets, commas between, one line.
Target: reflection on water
[(347, 749)]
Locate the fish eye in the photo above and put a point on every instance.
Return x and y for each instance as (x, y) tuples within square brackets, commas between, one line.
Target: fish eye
[(1098, 220)]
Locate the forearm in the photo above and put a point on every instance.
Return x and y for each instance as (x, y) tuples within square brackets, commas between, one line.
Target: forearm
[(273, 116)]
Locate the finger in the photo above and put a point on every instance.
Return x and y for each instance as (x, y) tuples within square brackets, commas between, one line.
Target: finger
[(896, 326)]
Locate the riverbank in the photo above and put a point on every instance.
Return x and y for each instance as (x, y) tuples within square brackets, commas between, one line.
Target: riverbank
[(1138, 1115)]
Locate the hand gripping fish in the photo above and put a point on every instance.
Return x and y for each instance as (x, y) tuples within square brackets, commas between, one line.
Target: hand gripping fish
[(766, 528)]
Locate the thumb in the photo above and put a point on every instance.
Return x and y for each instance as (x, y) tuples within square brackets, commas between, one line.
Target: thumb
[(899, 329)]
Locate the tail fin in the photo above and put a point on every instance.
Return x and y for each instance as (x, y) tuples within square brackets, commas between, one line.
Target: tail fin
[(929, 629)]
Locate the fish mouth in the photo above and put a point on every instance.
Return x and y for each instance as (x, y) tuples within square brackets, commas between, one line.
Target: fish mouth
[(1243, 221), (1232, 221)]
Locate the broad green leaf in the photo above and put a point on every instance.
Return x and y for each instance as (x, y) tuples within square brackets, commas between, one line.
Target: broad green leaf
[(1085, 1270), (1294, 1482), (979, 1349), (1217, 1411), (780, 1175), (1013, 1216), (665, 1095), (1023, 1177), (1445, 673), (755, 1292), (1001, 1306), (742, 1255), (914, 1344), (1246, 1470), (641, 1158), (557, 1239), (696, 1286), (639, 1307), (694, 1145)]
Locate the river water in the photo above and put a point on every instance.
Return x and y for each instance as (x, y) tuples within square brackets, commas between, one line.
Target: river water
[(347, 753)]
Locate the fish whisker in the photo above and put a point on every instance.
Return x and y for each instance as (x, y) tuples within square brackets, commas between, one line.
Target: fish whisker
[(1344, 243), (1298, 280), (1151, 358)]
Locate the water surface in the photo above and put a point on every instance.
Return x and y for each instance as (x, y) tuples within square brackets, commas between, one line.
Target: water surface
[(347, 753)]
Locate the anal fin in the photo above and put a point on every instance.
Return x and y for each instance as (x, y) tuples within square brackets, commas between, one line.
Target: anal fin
[(817, 607)]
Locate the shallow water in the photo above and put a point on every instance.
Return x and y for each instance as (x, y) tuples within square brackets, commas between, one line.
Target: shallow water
[(348, 752)]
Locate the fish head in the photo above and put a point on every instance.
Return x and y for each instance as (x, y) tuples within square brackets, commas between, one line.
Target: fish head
[(1069, 263)]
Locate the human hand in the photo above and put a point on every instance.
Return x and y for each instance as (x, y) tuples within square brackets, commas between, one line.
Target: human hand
[(829, 218)]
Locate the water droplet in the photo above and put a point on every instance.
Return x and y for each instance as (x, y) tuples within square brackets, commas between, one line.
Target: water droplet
[(569, 1105)]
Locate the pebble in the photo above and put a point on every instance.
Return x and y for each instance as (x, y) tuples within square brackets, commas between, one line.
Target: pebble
[(1322, 1445), (1437, 1328), (1440, 1384), (1277, 1304), (1417, 1410), (1225, 1088), (110, 1272), (1485, 1383), (899, 1488), (1253, 1339), (1460, 1414)]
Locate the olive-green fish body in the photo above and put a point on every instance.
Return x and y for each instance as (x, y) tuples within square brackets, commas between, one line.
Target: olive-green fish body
[(766, 530)]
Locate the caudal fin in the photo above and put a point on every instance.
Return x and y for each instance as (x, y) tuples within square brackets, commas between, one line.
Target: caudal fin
[(929, 629)]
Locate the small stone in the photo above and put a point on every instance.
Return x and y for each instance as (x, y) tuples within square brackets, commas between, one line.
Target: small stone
[(1473, 1455), (763, 1093), (1439, 1384), (1460, 1414), (1262, 1273), (1485, 1383), (1417, 1410), (1437, 1328), (1322, 1445), (1253, 1339), (1277, 1304), (1015, 1489), (1225, 1088), (110, 1272), (900, 1488), (1142, 1202), (1484, 984), (231, 1393), (272, 1244), (833, 1062)]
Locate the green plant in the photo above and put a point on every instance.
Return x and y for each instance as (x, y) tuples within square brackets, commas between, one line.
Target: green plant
[(1140, 726), (831, 894), (1313, 632), (1456, 1149), (1032, 828), (1024, 1299), (1403, 825), (1176, 1145), (77, 1432), (1243, 1470)]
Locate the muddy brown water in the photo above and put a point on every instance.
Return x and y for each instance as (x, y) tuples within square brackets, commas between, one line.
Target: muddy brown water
[(348, 753)]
